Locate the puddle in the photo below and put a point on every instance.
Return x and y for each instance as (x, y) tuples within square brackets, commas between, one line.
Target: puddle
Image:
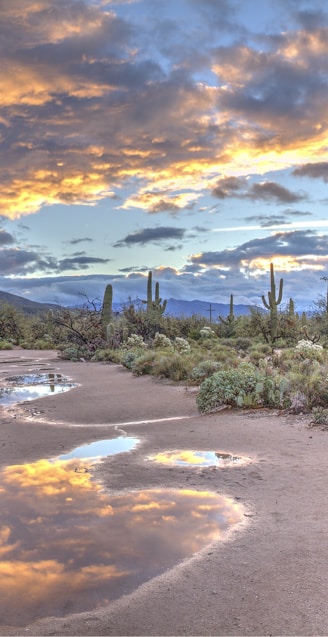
[(66, 546), (32, 386), (191, 458), (102, 448)]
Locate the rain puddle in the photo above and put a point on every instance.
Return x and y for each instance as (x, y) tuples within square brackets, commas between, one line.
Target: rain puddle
[(191, 458), (30, 386), (102, 448), (66, 546)]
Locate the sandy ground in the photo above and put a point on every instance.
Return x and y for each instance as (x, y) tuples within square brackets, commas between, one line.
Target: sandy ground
[(268, 576)]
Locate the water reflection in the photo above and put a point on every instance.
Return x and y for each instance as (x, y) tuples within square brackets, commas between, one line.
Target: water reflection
[(102, 448), (32, 386), (199, 458), (66, 546)]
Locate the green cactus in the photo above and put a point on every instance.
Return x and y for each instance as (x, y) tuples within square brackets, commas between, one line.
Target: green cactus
[(231, 317), (272, 304), (155, 308), (106, 311), (50, 322), (291, 308), (229, 322)]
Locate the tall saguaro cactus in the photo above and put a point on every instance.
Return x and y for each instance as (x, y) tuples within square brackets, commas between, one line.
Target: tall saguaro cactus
[(154, 308), (272, 304), (106, 311), (229, 322)]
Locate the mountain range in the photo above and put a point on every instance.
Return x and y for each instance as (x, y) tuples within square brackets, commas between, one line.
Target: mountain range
[(174, 307)]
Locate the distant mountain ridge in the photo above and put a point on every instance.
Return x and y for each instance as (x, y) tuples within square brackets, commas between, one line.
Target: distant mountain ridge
[(175, 307), (25, 305), (204, 308)]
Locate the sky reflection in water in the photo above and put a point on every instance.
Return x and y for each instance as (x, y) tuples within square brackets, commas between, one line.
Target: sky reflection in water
[(188, 458), (32, 386), (66, 546), (102, 448)]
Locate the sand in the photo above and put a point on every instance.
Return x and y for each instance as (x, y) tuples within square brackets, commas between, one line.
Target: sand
[(267, 576)]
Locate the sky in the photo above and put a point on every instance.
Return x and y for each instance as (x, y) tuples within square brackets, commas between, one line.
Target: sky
[(186, 137)]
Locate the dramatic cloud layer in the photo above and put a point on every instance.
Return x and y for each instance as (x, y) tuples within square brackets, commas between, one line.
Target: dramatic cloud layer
[(165, 123), (88, 103)]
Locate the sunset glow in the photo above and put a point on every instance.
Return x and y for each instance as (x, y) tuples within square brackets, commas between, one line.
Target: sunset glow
[(206, 137)]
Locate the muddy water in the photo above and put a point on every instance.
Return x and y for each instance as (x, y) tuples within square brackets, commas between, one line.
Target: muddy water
[(66, 546)]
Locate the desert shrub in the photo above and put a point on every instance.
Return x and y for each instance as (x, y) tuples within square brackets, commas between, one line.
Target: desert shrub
[(228, 387), (43, 343), (206, 332), (107, 356), (129, 359), (203, 370), (223, 354), (319, 416), (307, 349), (174, 367), (135, 341), (6, 344), (161, 341), (143, 364), (73, 353), (181, 345)]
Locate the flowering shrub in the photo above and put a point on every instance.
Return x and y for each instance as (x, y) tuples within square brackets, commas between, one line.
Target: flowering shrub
[(206, 332), (161, 341), (135, 341), (181, 345), (307, 349)]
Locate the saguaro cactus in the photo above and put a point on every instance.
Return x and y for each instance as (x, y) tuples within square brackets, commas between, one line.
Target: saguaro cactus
[(154, 308), (106, 311), (272, 304), (229, 321)]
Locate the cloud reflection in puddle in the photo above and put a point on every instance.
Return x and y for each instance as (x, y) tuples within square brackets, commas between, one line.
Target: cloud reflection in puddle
[(66, 546)]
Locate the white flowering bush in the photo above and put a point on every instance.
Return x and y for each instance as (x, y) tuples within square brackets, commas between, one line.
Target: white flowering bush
[(206, 332), (161, 341), (181, 345), (135, 341), (307, 349)]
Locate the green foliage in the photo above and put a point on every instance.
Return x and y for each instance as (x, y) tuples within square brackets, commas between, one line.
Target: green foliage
[(144, 364), (11, 324), (227, 387), (5, 345), (129, 358), (203, 370), (173, 366)]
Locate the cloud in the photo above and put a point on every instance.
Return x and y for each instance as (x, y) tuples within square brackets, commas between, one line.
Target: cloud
[(78, 262), (20, 262), (92, 102), (265, 190), (5, 238), (290, 250), (151, 235), (82, 240), (318, 170)]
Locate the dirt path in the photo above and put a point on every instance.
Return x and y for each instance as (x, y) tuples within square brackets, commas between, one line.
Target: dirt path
[(269, 576)]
